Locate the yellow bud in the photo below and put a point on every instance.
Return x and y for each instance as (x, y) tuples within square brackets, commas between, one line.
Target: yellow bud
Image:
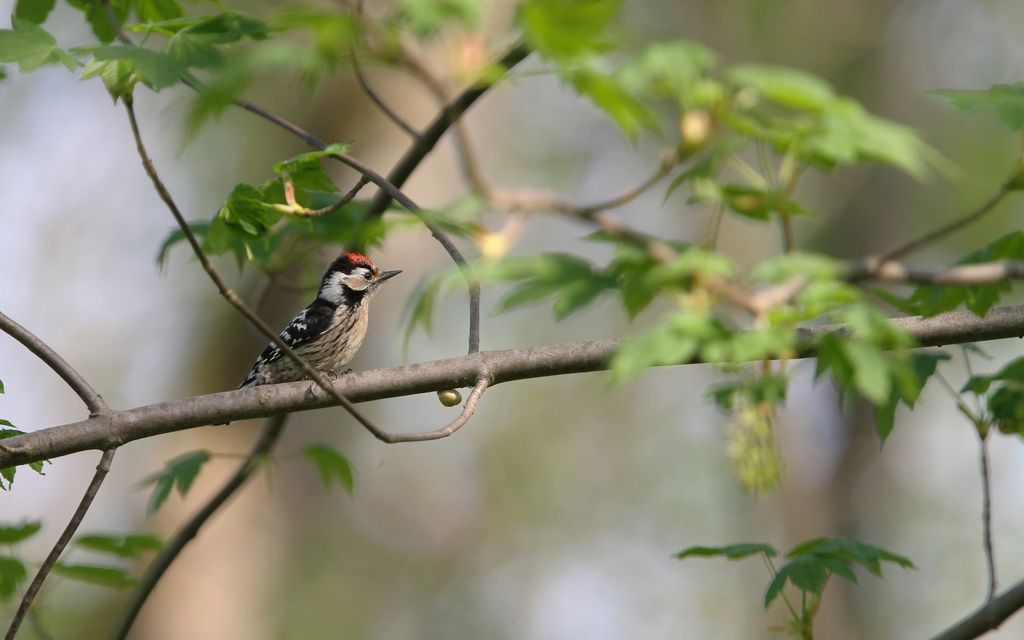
[(492, 245), (694, 128), (450, 397)]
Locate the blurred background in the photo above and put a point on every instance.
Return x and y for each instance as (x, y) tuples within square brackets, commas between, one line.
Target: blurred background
[(555, 512)]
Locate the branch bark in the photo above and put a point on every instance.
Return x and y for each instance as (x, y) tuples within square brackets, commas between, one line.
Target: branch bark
[(119, 427), (988, 617)]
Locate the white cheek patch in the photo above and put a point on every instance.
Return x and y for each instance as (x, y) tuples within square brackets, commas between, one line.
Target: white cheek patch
[(356, 283)]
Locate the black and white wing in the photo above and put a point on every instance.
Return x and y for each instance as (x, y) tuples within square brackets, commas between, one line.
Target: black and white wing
[(309, 324)]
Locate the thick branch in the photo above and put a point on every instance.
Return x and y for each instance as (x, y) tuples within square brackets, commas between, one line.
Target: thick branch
[(988, 617), (60, 366), (119, 427), (62, 542)]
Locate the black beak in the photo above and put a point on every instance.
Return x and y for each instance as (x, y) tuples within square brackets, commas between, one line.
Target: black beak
[(387, 274)]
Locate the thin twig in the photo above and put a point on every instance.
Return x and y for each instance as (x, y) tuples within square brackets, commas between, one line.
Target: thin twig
[(60, 366), (62, 542), (986, 518), (429, 137), (467, 412), (377, 100), (988, 617), (913, 245), (226, 291), (531, 200), (155, 571), (331, 208)]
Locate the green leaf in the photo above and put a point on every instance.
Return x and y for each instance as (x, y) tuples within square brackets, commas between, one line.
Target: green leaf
[(1006, 100), (99, 575), (178, 472), (678, 340), (673, 69), (732, 551), (783, 85), (31, 47), (815, 561), (155, 69), (1006, 405), (194, 39), (12, 574), (567, 29), (303, 161), (332, 465), (427, 17), (610, 95), (923, 365), (118, 75), (157, 10), (199, 229), (871, 375), (247, 209), (34, 10), (573, 282), (1, 386), (122, 546), (97, 13), (16, 533), (868, 556)]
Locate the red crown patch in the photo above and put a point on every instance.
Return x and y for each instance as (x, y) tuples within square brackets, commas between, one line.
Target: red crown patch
[(359, 259)]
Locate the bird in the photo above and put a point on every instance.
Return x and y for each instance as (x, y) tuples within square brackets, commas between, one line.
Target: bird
[(329, 331)]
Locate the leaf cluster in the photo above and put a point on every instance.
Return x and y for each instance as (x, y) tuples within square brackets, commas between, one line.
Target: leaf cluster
[(808, 567)]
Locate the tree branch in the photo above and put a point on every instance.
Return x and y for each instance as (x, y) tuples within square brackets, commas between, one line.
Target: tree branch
[(60, 366), (62, 542), (155, 571), (988, 617), (119, 427)]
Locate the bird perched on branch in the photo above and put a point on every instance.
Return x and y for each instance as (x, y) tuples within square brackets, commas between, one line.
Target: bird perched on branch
[(329, 331)]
